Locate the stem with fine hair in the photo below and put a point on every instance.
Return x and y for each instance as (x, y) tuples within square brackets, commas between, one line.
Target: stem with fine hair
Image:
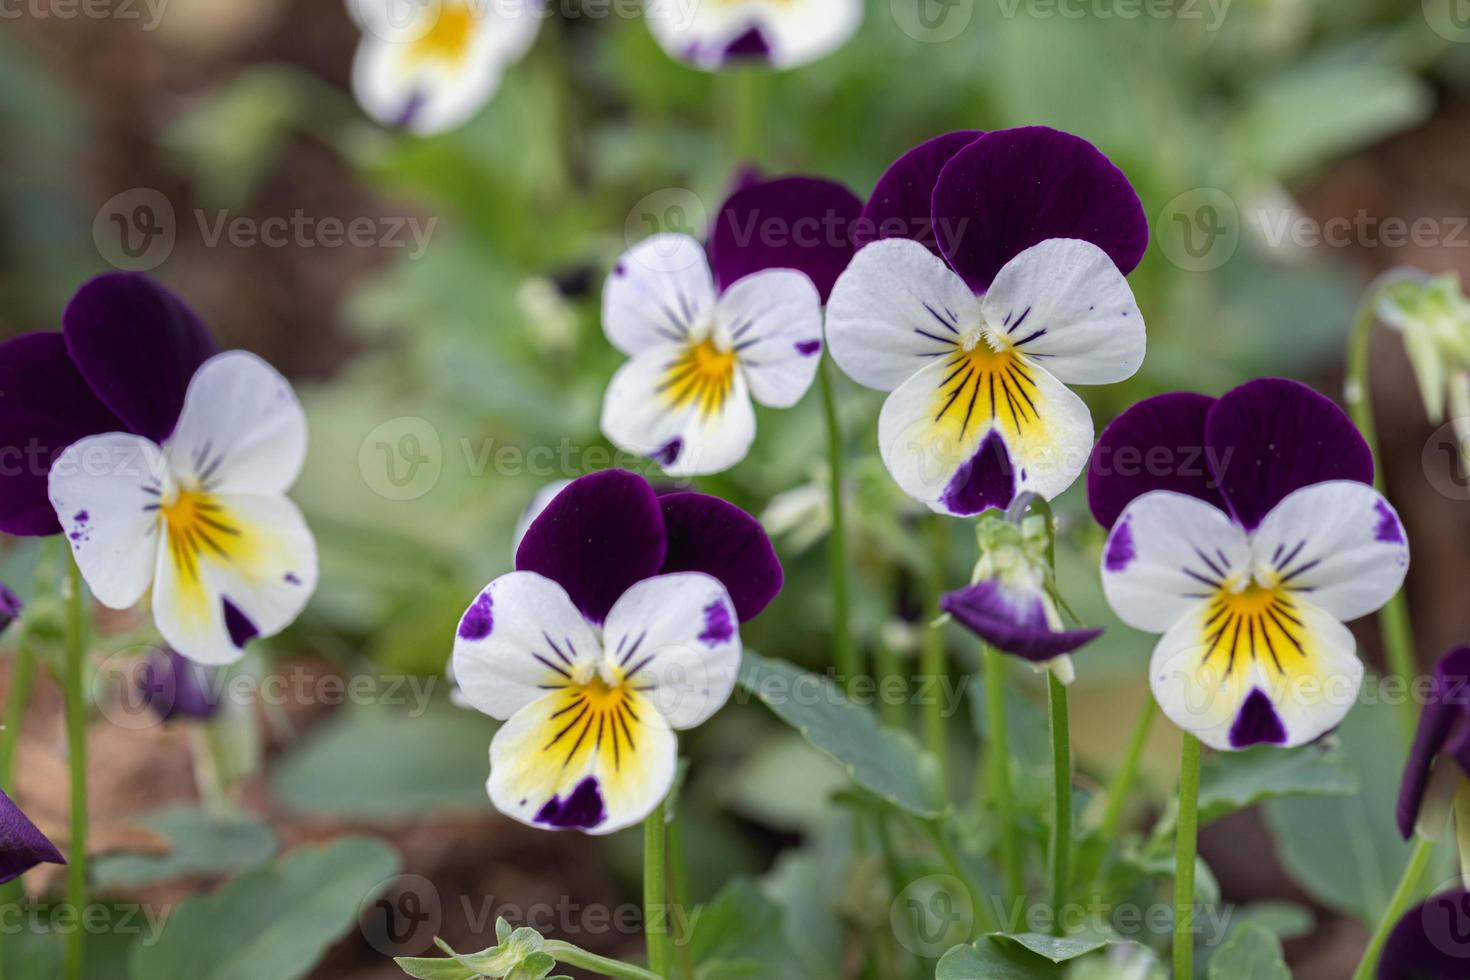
[(1393, 618), (20, 692), (655, 894), (932, 662), (1408, 887), (679, 897), (997, 760), (1186, 845), (76, 744), (1061, 825), (565, 952), (844, 652)]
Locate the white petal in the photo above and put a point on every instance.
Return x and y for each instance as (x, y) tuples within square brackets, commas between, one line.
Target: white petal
[(568, 762), (796, 31), (932, 428), (675, 638), (106, 491), (241, 429), (1065, 303), (773, 320), (896, 309), (231, 567), (519, 638), (1294, 676), (648, 410), (1166, 553), (1338, 543), (659, 292)]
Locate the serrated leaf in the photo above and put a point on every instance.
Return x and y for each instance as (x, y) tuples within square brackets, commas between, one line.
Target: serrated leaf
[(272, 923), (882, 761), (201, 843), (1252, 953), (1231, 781)]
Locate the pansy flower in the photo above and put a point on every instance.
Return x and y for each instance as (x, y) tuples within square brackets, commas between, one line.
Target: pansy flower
[(175, 687), (165, 464), (769, 33), (1431, 941), (429, 67), (619, 626), (707, 332), (22, 846), (1009, 604), (1246, 531), (1435, 778), (992, 277)]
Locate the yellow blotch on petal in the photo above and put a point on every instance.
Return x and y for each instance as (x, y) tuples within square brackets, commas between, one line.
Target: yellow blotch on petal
[(448, 38), (1259, 624), (702, 376)]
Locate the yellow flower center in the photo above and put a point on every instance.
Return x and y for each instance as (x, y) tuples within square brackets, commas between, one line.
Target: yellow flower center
[(196, 523), (984, 384), (448, 39), (1256, 623), (701, 376)]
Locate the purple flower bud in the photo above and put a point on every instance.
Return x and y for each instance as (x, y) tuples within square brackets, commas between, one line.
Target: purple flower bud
[(176, 687), (22, 846)]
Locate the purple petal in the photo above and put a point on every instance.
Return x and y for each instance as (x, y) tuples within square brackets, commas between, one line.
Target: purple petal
[(176, 687), (749, 45), (1258, 723), (801, 223), (987, 479), (1012, 621), (1012, 189), (1271, 436), (1431, 941), (901, 204), (1446, 709), (45, 406), (710, 535), (1158, 444), (583, 808), (600, 535), (138, 345), (10, 607), (22, 846)]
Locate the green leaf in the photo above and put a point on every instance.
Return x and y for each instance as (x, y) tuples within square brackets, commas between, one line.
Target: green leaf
[(273, 923), (1025, 956), (200, 842), (886, 763), (377, 764), (1251, 954), (739, 934), (1346, 852), (1231, 781), (423, 968)]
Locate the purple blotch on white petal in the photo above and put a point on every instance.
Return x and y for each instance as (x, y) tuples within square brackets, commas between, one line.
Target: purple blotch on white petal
[(806, 348), (237, 624), (1388, 529), (719, 625), (583, 808), (479, 619), (1120, 548), (668, 454), (1258, 723), (984, 481)]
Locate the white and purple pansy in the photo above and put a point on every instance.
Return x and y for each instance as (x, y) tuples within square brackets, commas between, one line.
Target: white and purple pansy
[(165, 465), (619, 626), (708, 330), (1009, 605), (1245, 529), (1436, 779), (22, 845), (428, 67), (991, 275), (770, 33)]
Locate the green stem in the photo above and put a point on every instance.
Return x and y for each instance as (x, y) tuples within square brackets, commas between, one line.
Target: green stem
[(746, 106), (564, 952), (679, 897), (892, 686), (844, 652), (76, 743), (1408, 887), (1393, 618), (1061, 826), (20, 693), (984, 920), (932, 661), (655, 894), (1123, 779), (1185, 846), (997, 758)]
